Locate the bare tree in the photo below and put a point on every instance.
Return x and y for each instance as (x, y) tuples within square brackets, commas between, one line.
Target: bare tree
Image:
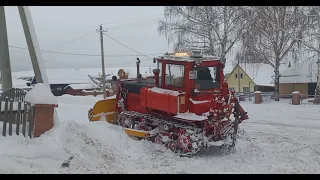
[(312, 42), (266, 42), (217, 28)]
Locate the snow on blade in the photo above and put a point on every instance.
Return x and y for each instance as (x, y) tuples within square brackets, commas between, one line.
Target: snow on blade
[(40, 94)]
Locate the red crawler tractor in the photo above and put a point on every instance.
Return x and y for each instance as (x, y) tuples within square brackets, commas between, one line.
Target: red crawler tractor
[(186, 106)]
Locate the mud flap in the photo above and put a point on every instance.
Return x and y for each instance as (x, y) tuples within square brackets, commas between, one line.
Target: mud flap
[(104, 110)]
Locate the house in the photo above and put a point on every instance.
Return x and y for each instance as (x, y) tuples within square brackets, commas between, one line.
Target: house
[(299, 77), (59, 79), (76, 89), (252, 77)]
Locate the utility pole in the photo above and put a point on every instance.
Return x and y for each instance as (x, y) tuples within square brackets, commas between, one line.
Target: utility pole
[(33, 46), (34, 50), (102, 63), (6, 77), (239, 74)]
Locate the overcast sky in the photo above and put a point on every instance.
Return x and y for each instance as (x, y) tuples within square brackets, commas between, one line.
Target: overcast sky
[(58, 27)]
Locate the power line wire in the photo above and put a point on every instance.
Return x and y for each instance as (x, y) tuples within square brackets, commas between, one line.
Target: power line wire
[(75, 39), (135, 24), (129, 19), (133, 62), (126, 46), (83, 54)]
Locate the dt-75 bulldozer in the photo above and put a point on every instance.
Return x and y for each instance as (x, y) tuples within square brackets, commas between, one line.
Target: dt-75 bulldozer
[(186, 106)]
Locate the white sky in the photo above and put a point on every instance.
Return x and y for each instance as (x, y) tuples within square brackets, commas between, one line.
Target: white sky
[(56, 27)]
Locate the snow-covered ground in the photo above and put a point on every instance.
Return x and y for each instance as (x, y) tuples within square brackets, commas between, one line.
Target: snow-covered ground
[(278, 138)]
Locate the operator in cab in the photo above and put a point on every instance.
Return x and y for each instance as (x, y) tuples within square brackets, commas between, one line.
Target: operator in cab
[(205, 80)]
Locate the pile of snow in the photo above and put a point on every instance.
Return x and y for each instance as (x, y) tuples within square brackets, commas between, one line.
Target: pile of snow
[(40, 94)]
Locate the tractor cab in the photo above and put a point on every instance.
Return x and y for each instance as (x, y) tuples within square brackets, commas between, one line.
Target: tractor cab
[(190, 72)]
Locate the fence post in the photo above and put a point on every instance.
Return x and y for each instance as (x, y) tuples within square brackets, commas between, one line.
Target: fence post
[(11, 118), (18, 120), (296, 98), (24, 118), (4, 128), (257, 97)]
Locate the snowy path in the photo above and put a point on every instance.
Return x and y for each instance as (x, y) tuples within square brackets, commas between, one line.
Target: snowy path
[(276, 139)]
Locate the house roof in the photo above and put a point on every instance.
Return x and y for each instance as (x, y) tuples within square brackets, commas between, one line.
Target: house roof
[(80, 86), (261, 74), (305, 72)]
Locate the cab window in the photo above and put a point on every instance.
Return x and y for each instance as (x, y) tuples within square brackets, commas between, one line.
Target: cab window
[(174, 75), (207, 78)]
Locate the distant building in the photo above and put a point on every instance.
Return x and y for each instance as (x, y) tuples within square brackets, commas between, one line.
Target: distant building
[(59, 79), (299, 77), (253, 77), (76, 89)]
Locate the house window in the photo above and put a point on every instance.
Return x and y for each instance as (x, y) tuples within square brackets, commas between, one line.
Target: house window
[(241, 75), (245, 89), (236, 76)]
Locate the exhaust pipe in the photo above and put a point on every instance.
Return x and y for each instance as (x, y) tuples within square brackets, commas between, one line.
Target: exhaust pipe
[(138, 69)]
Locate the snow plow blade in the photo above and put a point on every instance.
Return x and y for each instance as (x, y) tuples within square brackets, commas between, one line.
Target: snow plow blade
[(136, 133), (104, 108)]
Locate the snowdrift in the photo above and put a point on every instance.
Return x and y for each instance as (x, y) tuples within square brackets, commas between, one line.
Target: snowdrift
[(278, 144)]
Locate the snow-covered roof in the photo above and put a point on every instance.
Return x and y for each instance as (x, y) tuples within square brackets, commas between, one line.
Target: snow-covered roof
[(305, 72), (259, 73), (80, 86)]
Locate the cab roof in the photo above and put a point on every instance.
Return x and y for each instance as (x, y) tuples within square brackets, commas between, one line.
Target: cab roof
[(187, 57)]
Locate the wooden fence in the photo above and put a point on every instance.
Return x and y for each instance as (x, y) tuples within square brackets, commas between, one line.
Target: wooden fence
[(15, 93), (16, 115)]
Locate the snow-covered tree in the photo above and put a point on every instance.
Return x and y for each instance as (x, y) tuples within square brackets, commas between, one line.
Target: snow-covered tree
[(216, 28), (266, 42), (312, 41)]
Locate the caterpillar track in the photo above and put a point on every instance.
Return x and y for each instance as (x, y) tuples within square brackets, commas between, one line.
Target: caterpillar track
[(182, 138)]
